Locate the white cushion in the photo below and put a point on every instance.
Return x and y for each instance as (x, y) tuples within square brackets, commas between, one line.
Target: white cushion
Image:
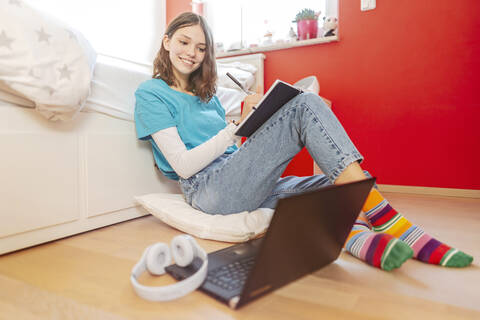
[(43, 60), (173, 210)]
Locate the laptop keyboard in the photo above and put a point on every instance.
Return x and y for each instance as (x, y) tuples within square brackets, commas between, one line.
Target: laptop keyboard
[(231, 276)]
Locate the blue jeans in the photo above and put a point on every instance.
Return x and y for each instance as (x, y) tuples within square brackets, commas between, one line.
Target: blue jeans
[(250, 177)]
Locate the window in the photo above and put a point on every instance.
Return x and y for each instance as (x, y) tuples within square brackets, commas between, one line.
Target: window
[(239, 24), (126, 29)]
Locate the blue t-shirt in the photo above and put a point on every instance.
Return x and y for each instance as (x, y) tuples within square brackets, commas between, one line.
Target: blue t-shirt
[(159, 107)]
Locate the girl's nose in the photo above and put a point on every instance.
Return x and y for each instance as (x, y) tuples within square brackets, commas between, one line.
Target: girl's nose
[(191, 51)]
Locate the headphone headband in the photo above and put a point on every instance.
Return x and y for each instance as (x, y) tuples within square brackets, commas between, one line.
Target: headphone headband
[(183, 246)]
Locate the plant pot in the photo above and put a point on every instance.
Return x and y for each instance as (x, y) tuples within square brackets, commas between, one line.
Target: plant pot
[(307, 29)]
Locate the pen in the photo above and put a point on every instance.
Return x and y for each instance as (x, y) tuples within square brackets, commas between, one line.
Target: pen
[(238, 83)]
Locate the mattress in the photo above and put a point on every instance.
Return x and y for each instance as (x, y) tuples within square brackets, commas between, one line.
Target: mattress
[(113, 86)]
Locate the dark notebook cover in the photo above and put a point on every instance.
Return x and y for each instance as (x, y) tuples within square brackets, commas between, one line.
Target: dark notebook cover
[(278, 94)]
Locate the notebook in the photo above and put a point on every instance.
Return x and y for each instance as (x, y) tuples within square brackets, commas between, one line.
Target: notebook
[(278, 94), (307, 232)]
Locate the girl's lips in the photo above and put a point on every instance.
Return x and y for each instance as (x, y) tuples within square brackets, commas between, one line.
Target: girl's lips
[(187, 61)]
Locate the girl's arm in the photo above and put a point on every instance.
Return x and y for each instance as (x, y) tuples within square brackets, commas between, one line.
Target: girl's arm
[(185, 162)]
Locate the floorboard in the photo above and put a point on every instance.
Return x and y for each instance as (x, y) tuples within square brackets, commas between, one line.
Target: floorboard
[(87, 276)]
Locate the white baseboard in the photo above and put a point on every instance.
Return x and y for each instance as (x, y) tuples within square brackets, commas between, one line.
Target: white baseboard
[(446, 192)]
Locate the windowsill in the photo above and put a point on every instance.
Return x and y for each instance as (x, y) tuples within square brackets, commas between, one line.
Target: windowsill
[(277, 46)]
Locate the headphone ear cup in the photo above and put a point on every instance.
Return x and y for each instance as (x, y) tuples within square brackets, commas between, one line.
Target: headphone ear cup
[(158, 257), (183, 250)]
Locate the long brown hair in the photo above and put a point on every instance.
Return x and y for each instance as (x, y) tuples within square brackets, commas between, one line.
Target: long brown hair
[(201, 81)]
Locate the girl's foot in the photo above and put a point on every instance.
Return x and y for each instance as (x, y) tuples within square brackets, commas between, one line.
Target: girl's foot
[(380, 250), (385, 219)]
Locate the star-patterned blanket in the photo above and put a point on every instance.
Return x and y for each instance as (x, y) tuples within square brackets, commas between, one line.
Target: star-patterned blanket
[(44, 60)]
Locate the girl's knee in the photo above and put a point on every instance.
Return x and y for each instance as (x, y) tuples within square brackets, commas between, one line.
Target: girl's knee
[(314, 101)]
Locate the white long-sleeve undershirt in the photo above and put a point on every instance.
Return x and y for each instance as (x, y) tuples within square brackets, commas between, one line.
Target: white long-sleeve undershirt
[(185, 162)]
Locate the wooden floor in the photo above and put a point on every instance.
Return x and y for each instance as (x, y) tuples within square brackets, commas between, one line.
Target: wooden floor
[(87, 277)]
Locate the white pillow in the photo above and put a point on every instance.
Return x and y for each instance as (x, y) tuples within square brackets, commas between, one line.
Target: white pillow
[(244, 73), (231, 100), (43, 60), (174, 211)]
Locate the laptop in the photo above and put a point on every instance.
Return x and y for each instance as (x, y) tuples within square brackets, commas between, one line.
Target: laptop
[(306, 233)]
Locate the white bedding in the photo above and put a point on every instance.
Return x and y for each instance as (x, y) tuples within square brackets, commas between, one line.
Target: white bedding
[(43, 61), (115, 81)]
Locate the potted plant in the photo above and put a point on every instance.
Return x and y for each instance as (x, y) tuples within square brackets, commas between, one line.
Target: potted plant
[(307, 24)]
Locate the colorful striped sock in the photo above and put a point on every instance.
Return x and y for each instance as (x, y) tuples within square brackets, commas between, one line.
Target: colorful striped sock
[(385, 219), (380, 250)]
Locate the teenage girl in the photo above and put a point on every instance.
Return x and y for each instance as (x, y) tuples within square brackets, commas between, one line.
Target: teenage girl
[(178, 112)]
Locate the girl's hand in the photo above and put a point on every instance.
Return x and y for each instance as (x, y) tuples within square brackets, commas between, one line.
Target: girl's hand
[(250, 102)]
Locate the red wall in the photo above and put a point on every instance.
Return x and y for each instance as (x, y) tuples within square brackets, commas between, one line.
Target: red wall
[(174, 7), (402, 80)]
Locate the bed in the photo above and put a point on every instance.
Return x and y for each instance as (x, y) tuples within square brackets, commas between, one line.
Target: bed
[(65, 177), (70, 160)]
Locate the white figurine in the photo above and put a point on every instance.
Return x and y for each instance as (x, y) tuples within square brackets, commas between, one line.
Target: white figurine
[(330, 26)]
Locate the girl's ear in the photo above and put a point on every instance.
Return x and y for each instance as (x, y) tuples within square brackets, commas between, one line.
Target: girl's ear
[(166, 42)]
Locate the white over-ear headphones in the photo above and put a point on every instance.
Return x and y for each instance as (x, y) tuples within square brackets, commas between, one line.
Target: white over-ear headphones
[(157, 256)]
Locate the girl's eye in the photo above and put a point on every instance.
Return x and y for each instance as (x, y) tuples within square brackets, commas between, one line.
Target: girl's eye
[(183, 42), (202, 49)]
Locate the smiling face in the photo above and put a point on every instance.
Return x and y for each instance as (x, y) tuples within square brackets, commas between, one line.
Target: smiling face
[(186, 59), (186, 50)]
